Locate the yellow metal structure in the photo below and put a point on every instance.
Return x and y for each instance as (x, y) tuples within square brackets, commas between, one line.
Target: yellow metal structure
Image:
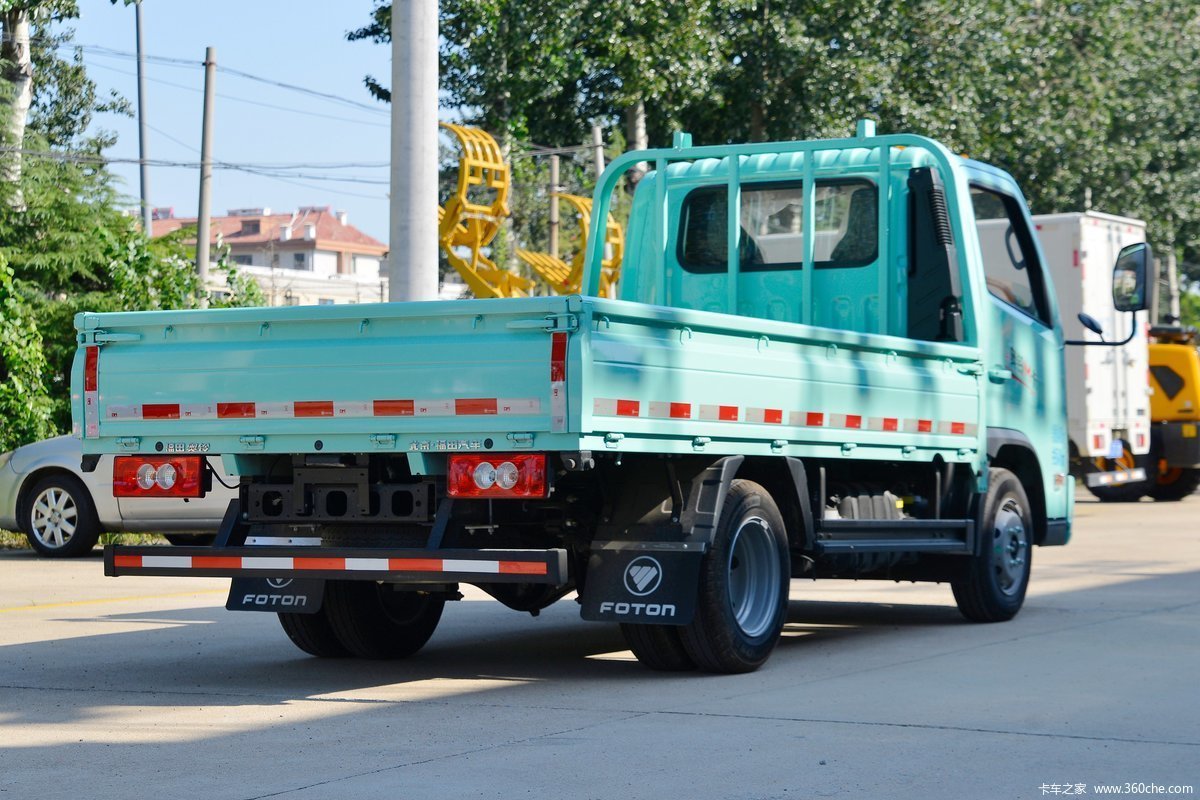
[(568, 279), (1175, 378), (473, 216)]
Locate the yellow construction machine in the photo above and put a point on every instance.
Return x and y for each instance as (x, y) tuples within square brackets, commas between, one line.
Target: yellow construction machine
[(1174, 471)]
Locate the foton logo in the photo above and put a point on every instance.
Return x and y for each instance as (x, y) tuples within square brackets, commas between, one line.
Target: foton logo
[(638, 609), (643, 576), (290, 600)]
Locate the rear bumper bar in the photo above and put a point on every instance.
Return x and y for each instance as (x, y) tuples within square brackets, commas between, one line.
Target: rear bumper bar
[(397, 566)]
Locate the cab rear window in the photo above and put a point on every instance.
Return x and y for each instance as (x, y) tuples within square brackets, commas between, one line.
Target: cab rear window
[(845, 228)]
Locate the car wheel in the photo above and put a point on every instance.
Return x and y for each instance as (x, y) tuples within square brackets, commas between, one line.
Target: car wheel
[(744, 583), (658, 647), (372, 620), (313, 634), (59, 517), (992, 587)]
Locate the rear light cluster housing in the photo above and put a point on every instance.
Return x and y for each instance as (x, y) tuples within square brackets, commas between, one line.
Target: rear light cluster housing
[(158, 476), (498, 475)]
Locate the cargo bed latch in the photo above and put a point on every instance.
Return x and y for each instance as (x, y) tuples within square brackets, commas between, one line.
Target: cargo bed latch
[(253, 442), (549, 323)]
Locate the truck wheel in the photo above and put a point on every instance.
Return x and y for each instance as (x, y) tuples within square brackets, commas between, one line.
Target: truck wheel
[(1174, 483), (59, 517), (372, 620), (1129, 492), (658, 647), (743, 589), (313, 634), (993, 585)]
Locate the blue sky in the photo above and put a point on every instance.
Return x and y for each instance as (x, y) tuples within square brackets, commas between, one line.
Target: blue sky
[(302, 42)]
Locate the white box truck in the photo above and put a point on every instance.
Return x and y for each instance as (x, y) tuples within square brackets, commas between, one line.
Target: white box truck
[(1108, 390)]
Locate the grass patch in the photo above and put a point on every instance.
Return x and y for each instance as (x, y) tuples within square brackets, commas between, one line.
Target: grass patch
[(17, 541)]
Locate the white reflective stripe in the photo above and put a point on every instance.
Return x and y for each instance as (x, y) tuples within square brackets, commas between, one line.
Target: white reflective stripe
[(972, 429), (197, 410), (518, 407), (91, 414), (433, 408), (275, 410), (911, 425), (558, 406), (168, 562), (710, 413), (465, 565), (604, 407), (367, 564), (123, 412), (660, 410), (353, 408), (264, 562)]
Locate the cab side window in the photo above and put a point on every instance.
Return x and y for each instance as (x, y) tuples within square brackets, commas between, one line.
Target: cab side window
[(1010, 262)]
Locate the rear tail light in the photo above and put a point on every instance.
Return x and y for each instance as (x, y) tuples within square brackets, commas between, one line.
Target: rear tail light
[(158, 476), (498, 475)]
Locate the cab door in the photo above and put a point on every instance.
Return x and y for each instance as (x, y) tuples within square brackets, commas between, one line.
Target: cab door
[(1023, 368)]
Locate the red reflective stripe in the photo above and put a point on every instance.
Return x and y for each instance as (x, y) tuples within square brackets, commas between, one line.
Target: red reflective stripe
[(393, 408), (475, 406), (628, 408), (958, 427), (91, 368), (415, 564), (815, 419), (558, 357), (681, 410), (127, 561), (891, 424), (313, 408), (319, 563), (235, 410), (727, 413), (924, 426), (523, 568), (773, 416), (853, 421), (216, 562), (160, 411)]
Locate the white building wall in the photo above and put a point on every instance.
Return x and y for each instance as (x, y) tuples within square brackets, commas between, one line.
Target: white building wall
[(324, 262), (366, 266)]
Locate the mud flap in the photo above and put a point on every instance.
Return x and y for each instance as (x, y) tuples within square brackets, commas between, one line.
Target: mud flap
[(642, 582), (294, 595)]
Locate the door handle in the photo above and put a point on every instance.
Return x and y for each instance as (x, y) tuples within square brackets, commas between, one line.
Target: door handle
[(999, 375)]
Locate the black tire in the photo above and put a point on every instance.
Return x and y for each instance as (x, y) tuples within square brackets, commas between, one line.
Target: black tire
[(375, 621), (1174, 484), (992, 587), (1130, 492), (658, 647), (191, 540), (313, 634), (58, 517), (742, 600)]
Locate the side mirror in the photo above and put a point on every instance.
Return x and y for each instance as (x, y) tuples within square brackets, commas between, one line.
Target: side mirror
[(1091, 324), (1129, 277)]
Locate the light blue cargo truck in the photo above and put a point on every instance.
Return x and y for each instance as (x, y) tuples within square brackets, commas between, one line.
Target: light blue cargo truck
[(812, 371)]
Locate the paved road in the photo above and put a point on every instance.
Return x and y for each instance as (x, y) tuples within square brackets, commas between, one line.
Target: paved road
[(146, 687)]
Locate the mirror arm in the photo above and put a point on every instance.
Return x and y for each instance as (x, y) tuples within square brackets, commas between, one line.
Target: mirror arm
[(1102, 343)]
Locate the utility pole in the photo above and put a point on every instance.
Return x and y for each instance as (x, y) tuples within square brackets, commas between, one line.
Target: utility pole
[(554, 206), (143, 145), (413, 245), (1172, 287), (206, 137)]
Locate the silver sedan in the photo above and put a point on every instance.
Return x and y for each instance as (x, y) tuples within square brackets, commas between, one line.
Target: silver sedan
[(62, 510)]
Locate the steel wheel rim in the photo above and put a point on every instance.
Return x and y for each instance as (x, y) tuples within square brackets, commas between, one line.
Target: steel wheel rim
[(753, 570), (53, 517), (1010, 547)]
